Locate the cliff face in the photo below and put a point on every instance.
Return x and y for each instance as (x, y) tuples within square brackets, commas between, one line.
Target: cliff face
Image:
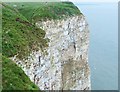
[(63, 65)]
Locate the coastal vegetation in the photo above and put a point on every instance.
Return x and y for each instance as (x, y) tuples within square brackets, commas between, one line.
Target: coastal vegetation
[(20, 36)]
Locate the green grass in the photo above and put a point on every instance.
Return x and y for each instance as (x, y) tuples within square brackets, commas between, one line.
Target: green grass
[(14, 78), (17, 37), (41, 11)]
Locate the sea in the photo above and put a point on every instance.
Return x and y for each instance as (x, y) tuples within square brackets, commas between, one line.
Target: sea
[(102, 18)]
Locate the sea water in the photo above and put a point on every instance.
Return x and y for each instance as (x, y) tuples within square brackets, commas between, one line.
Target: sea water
[(103, 49)]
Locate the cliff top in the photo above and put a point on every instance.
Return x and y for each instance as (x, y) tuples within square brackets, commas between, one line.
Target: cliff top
[(20, 36), (46, 10)]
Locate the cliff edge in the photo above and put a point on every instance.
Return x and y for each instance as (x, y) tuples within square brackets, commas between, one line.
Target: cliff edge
[(51, 45)]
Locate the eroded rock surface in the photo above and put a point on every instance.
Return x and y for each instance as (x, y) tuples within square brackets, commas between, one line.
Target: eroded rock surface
[(64, 63)]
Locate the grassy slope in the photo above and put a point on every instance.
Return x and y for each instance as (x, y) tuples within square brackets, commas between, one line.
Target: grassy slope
[(51, 10), (20, 36), (14, 77)]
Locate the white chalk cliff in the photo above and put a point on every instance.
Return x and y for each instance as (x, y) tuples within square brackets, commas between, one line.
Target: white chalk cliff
[(63, 65)]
